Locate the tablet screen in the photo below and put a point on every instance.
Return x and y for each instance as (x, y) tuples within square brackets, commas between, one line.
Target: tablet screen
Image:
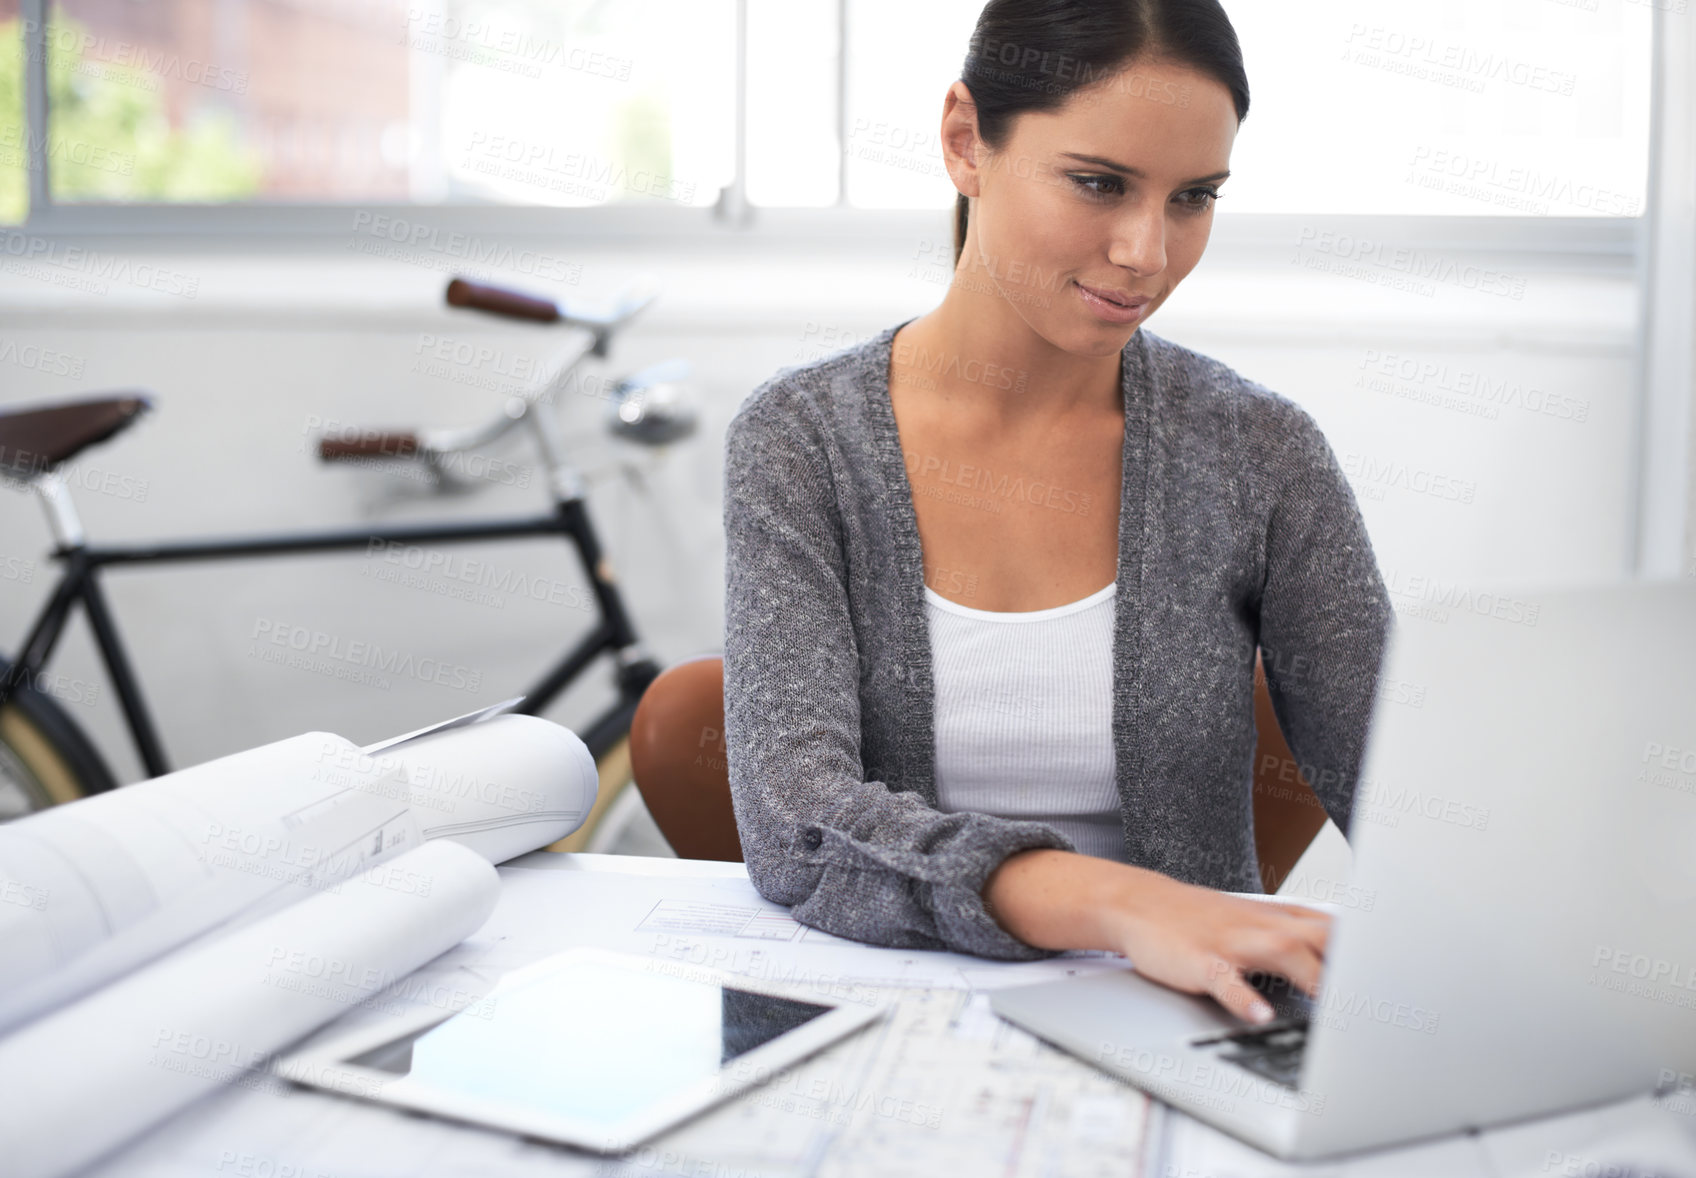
[(589, 1040)]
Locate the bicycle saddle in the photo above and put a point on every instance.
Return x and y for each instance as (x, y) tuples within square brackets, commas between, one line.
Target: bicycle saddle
[(35, 438)]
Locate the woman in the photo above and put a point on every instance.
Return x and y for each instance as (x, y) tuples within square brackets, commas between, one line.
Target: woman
[(996, 577)]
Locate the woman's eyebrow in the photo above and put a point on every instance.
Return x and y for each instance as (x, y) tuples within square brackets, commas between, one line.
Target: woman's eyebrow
[(1137, 172)]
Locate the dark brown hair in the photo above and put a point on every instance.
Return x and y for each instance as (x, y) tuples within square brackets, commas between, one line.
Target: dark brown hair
[(1033, 55)]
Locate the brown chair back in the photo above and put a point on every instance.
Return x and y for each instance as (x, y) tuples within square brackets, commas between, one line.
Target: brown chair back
[(678, 756)]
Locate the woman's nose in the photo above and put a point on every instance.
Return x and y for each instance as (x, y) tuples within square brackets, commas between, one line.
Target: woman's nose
[(1139, 241)]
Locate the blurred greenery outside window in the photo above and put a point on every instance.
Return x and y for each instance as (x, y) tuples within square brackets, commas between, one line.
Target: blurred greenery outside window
[(111, 137)]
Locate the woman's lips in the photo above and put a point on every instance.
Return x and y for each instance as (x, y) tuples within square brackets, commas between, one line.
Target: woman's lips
[(1105, 304)]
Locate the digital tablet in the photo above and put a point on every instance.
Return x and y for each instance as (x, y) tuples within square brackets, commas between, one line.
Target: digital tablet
[(588, 1048)]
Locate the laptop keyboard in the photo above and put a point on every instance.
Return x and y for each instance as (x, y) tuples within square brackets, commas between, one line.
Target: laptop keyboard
[(1273, 1052)]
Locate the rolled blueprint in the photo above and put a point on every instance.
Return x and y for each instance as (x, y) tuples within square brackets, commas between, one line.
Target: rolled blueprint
[(107, 883), (92, 1075), (503, 786), (100, 886)]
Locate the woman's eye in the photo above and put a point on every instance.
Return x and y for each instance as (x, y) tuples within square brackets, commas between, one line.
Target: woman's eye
[(1196, 200), (1110, 185), (1201, 198)]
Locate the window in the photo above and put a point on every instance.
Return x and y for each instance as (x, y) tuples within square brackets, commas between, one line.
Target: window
[(1405, 107), (462, 101)]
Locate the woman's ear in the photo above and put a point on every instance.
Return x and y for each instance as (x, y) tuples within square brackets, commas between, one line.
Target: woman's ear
[(962, 149)]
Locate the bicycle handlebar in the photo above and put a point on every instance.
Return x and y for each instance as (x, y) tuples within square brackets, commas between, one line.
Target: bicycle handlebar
[(369, 444), (496, 300)]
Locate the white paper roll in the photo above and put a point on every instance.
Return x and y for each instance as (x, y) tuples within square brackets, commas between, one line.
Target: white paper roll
[(503, 786), (92, 1075)]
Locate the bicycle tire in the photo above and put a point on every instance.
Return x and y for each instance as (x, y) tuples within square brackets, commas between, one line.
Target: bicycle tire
[(45, 757)]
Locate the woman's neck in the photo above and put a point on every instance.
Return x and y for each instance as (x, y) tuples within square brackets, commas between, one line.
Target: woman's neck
[(976, 349)]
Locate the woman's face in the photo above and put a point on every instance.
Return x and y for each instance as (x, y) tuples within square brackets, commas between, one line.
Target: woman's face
[(1111, 193)]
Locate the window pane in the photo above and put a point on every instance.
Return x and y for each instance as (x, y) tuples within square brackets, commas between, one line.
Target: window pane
[(1514, 107), (559, 102), (1511, 107), (14, 146), (901, 58), (794, 154)]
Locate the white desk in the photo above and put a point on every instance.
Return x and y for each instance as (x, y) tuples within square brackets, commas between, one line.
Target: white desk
[(948, 1084)]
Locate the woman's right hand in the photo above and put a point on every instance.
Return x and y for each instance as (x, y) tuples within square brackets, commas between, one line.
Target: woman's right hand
[(1190, 938), (1201, 941)]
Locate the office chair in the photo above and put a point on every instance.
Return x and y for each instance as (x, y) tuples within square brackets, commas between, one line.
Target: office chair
[(678, 755)]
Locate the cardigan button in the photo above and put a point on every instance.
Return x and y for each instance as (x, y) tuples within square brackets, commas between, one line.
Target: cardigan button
[(811, 838)]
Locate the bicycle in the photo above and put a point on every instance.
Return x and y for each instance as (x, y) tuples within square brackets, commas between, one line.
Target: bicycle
[(45, 756)]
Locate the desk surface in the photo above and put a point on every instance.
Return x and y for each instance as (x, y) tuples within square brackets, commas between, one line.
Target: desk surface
[(943, 1082)]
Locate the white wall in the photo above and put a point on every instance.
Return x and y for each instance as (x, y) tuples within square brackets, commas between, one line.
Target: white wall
[(274, 341)]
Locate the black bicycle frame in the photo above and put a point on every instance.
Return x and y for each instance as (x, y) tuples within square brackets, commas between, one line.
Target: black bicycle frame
[(612, 634)]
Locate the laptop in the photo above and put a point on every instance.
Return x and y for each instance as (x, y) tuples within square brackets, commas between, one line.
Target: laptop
[(1520, 936)]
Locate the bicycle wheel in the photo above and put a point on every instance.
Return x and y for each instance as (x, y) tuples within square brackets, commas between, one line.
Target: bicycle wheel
[(45, 758)]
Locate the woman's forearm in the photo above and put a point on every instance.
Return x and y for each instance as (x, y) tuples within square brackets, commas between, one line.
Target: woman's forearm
[(1185, 936), (1065, 900)]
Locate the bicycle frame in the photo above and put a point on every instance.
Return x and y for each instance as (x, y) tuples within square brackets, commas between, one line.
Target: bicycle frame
[(612, 635)]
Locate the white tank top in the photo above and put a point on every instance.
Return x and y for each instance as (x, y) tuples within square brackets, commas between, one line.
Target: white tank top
[(1024, 716)]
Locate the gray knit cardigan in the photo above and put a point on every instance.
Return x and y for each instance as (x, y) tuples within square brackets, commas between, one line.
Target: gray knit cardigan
[(1236, 529)]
